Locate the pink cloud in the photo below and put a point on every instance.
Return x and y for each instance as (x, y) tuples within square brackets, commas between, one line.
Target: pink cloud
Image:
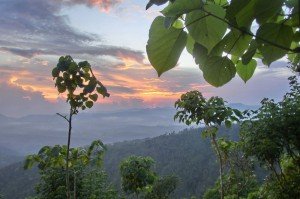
[(103, 5)]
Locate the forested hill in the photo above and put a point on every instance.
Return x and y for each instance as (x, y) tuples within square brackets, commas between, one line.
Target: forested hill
[(8, 156), (185, 154)]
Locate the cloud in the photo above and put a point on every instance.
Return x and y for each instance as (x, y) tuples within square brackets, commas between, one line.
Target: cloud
[(34, 34), (28, 53), (117, 52), (19, 102), (35, 27), (104, 5), (132, 87)]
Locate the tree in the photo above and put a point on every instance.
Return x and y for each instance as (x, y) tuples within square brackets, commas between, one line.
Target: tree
[(239, 178), (271, 135), (96, 186), (162, 187), (136, 174), (222, 38), (52, 166), (194, 108), (81, 87)]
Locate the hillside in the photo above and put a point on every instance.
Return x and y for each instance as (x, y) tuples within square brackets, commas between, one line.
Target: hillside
[(185, 154), (8, 156)]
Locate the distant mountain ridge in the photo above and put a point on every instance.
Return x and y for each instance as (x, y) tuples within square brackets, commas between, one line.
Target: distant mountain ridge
[(28, 134)]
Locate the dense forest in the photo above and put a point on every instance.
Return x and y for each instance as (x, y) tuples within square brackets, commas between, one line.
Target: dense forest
[(173, 153)]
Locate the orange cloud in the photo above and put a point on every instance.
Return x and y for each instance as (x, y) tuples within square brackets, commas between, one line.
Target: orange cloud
[(129, 63), (129, 80), (104, 5), (48, 92)]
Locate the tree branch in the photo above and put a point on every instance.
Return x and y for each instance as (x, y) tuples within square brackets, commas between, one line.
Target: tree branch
[(65, 117), (243, 30), (250, 33)]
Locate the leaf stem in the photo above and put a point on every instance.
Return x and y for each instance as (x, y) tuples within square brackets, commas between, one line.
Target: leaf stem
[(196, 20), (242, 30), (250, 33)]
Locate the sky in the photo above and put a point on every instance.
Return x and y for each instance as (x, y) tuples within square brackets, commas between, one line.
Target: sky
[(111, 35)]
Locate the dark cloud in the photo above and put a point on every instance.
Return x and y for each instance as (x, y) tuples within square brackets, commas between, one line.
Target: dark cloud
[(114, 51), (35, 27), (28, 53)]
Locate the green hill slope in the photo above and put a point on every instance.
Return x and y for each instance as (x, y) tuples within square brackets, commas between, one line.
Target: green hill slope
[(185, 154)]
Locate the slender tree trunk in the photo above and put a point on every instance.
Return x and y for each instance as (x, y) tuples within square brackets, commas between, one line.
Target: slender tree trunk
[(74, 185), (221, 165), (68, 151)]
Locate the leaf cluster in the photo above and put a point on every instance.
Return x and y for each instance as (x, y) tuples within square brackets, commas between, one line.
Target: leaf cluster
[(78, 82), (55, 157), (163, 187), (136, 174), (273, 130), (225, 37), (194, 108)]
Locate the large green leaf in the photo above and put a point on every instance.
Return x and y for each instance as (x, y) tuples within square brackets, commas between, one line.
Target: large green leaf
[(246, 71), (200, 54), (206, 30), (241, 12), (169, 21), (180, 7), (278, 34), (218, 70), (294, 19), (235, 42), (190, 44), (246, 58), (264, 10), (164, 45), (220, 2)]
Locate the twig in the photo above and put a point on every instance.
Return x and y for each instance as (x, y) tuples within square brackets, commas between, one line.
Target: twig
[(65, 117)]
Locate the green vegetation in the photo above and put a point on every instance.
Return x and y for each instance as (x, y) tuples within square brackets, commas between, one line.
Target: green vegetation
[(225, 37), (271, 136), (81, 87), (52, 168), (173, 154), (95, 185), (138, 178), (56, 163), (162, 188), (194, 108), (136, 174), (268, 137)]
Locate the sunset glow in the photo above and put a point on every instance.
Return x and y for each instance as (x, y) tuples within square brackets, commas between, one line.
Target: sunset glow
[(112, 35)]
